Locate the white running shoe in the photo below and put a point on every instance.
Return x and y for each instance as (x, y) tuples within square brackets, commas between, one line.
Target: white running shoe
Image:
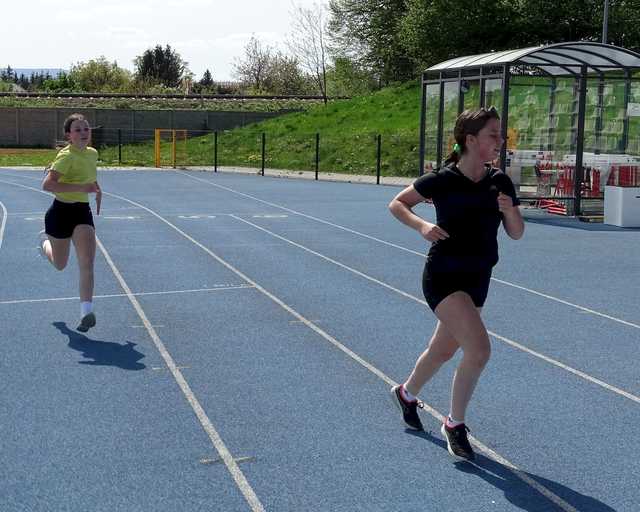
[(42, 236)]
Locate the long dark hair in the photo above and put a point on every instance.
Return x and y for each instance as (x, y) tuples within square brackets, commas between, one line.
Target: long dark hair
[(470, 122)]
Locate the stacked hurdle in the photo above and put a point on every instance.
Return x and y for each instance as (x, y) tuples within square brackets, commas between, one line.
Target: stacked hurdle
[(624, 176)]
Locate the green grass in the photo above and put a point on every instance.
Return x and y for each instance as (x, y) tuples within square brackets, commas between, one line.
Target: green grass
[(347, 128), (26, 157)]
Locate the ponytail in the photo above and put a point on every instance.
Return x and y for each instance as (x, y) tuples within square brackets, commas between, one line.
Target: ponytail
[(454, 156)]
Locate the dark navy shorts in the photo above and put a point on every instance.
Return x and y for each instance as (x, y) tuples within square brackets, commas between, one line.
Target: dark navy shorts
[(436, 286), (62, 218)]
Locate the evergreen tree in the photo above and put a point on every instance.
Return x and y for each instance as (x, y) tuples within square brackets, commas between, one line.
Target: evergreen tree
[(207, 80), (23, 82), (160, 66), (8, 75)]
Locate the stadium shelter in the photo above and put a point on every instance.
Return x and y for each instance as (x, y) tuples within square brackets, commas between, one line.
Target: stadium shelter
[(571, 112)]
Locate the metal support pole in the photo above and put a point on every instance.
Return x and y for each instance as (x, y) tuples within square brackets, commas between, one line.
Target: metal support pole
[(599, 116), (317, 154), (440, 127), (263, 151), (423, 124), (173, 148), (577, 177), (605, 22), (215, 151), (625, 125), (506, 80), (552, 108), (378, 157), (119, 146)]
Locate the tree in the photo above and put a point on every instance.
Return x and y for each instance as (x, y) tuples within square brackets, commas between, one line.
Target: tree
[(347, 78), (98, 75), (368, 32), (252, 70), (574, 20), (397, 39), (307, 42), (160, 66), (263, 70), (443, 30), (284, 76), (624, 24), (23, 82), (62, 83), (547, 22), (8, 75), (37, 79), (204, 85), (207, 80)]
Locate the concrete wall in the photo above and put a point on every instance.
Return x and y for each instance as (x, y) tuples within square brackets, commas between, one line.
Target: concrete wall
[(42, 127)]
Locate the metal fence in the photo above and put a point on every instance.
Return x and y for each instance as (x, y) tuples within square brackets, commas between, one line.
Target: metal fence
[(371, 154)]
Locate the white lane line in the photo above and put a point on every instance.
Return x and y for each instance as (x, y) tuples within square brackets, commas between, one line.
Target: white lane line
[(581, 308), (137, 294), (579, 373), (218, 443), (411, 251), (481, 447), (225, 455), (512, 343), (508, 341), (4, 222), (331, 260)]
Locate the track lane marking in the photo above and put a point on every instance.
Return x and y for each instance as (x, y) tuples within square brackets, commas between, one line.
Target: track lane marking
[(411, 251), (4, 222), (481, 447), (137, 294), (231, 464), (508, 341)]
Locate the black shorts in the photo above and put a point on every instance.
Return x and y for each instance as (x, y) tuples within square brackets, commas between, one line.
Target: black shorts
[(62, 218), (436, 286)]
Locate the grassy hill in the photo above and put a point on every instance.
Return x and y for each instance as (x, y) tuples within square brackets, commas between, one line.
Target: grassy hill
[(347, 131), (347, 128)]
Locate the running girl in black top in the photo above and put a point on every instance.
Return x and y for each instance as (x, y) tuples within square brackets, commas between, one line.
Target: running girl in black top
[(471, 200)]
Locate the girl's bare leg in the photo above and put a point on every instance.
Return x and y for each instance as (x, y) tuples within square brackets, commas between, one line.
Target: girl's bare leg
[(57, 251), (84, 240), (462, 319), (441, 348)]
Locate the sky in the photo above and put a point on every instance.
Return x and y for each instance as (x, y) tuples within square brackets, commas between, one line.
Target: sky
[(208, 34)]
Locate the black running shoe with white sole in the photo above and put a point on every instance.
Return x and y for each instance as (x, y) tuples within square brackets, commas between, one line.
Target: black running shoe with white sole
[(409, 409), (87, 322), (457, 443)]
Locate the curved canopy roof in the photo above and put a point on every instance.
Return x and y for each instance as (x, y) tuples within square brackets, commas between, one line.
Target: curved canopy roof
[(556, 59)]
